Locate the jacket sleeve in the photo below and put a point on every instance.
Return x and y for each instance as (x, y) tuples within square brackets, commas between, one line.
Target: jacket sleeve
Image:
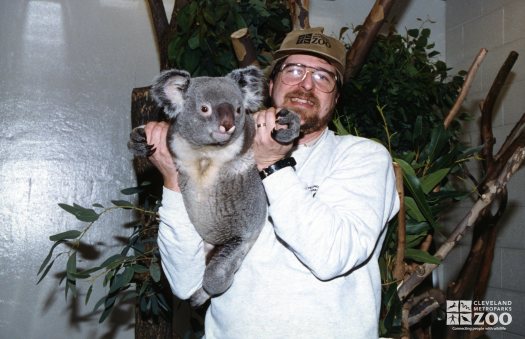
[(339, 227), (181, 248)]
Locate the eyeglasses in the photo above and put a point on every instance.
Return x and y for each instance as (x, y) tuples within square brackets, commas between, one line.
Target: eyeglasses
[(324, 80)]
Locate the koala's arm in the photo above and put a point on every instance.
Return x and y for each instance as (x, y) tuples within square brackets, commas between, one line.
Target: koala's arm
[(181, 248), (341, 226)]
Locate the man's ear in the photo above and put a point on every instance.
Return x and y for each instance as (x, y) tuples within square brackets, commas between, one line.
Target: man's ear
[(169, 90), (270, 88)]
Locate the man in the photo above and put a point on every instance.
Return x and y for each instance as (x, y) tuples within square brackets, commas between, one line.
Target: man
[(313, 271)]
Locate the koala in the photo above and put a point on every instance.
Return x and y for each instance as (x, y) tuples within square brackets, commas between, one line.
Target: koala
[(210, 137)]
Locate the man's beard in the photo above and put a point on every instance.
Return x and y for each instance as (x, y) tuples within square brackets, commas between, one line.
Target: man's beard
[(310, 117)]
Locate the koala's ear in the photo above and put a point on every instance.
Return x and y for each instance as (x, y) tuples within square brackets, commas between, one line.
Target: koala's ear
[(169, 90), (250, 80)]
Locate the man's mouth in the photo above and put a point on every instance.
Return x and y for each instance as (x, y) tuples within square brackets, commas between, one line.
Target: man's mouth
[(302, 101)]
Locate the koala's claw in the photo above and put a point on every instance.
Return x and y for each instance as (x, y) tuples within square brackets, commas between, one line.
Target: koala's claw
[(292, 121), (138, 143), (199, 298)]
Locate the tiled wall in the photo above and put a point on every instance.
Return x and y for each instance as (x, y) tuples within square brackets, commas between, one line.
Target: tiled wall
[(499, 26)]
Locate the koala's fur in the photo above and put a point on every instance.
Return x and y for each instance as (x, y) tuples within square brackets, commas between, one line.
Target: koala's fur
[(210, 136)]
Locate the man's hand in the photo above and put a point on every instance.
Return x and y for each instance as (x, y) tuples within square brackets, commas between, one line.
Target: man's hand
[(156, 133), (267, 151)]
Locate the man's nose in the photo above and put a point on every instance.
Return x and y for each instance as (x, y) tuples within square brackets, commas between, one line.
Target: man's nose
[(308, 82)]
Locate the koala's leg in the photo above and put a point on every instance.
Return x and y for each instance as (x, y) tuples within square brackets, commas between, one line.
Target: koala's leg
[(292, 121), (199, 297), (221, 269), (138, 144)]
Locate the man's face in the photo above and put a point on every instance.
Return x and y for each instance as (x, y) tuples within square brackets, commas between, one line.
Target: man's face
[(314, 106)]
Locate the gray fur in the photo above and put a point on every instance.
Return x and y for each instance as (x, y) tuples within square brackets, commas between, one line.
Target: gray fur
[(210, 137)]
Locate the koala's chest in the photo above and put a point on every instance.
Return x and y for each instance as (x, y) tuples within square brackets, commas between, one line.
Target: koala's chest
[(204, 167)]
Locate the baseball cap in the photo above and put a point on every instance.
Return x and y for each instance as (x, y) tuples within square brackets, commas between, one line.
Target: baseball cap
[(313, 41)]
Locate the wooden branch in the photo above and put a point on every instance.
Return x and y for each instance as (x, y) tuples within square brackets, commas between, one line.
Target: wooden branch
[(160, 20), (488, 108), (490, 237), (299, 12), (475, 272), (161, 28), (355, 57), (465, 88), (399, 266), (244, 48), (178, 5), (424, 304)]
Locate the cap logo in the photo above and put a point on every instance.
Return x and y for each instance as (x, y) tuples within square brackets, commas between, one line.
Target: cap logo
[(313, 39)]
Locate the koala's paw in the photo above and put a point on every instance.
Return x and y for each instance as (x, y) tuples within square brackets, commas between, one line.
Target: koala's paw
[(138, 144), (199, 298), (293, 123)]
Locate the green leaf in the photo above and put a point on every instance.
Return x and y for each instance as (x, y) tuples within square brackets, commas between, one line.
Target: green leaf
[(413, 32), (421, 256), (135, 190), (417, 227), (71, 266), (48, 257), (438, 139), (154, 271), (194, 41), (113, 261), (72, 234), (431, 180), (88, 294), (121, 280), (413, 211), (140, 268), (81, 213), (123, 204), (45, 272)]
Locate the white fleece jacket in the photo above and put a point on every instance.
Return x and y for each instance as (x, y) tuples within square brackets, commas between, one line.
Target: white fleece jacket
[(313, 271)]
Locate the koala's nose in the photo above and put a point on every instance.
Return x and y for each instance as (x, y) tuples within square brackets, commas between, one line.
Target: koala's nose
[(225, 112)]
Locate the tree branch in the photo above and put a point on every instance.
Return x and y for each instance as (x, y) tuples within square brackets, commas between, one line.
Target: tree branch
[(480, 207), (366, 36), (299, 12), (399, 266), (465, 88), (487, 111), (243, 47)]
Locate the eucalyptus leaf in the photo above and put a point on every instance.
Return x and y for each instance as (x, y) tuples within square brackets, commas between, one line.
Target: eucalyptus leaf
[(45, 272), (81, 213), (412, 210), (415, 189), (88, 294), (48, 257), (154, 271), (123, 204), (431, 180), (113, 260), (421, 256), (71, 234)]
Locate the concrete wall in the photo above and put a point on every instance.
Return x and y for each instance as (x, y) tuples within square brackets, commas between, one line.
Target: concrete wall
[(67, 68), (497, 25)]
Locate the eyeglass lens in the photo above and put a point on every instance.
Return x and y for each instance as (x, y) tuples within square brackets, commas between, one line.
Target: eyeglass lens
[(292, 74)]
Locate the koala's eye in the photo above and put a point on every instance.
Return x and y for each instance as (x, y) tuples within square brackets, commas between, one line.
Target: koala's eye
[(204, 109), (238, 110)]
